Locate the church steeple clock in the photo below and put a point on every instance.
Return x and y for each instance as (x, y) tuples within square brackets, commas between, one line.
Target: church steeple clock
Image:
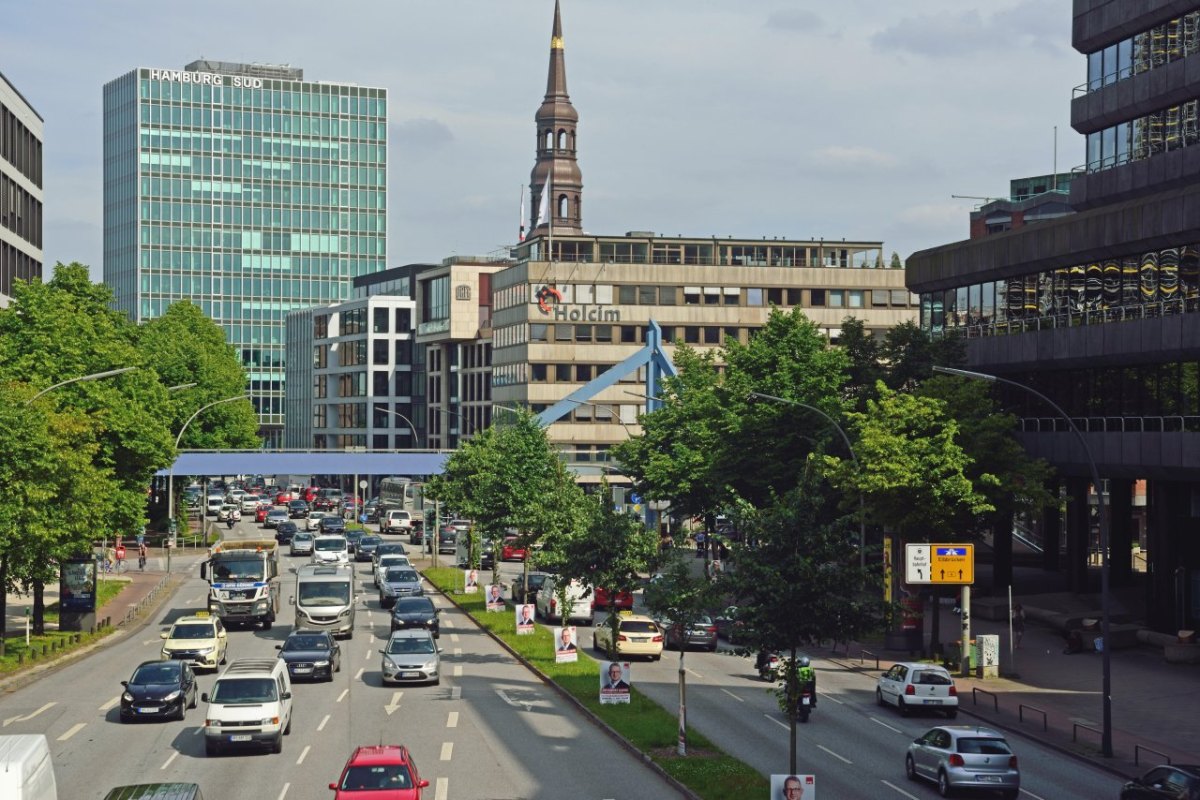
[(557, 121)]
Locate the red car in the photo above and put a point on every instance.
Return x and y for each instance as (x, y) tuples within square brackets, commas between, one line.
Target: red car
[(600, 601), (310, 494), (382, 772), (283, 498), (511, 551), (260, 513)]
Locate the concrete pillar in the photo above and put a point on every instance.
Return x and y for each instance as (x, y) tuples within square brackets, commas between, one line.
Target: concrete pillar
[(1051, 531), (1078, 528), (1169, 505), (1120, 532)]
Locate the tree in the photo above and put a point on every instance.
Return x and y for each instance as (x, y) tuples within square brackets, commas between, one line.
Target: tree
[(896, 262), (681, 596), (800, 581)]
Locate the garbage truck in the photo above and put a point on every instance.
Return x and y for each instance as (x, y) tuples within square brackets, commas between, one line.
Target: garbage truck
[(243, 581)]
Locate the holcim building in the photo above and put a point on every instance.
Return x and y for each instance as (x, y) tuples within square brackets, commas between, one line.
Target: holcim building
[(247, 190)]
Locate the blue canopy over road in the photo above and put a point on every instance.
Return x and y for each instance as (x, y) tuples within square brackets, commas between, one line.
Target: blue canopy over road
[(308, 462)]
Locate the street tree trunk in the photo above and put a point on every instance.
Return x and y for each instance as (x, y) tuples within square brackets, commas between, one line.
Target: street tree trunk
[(682, 747), (39, 608), (3, 596), (792, 743)]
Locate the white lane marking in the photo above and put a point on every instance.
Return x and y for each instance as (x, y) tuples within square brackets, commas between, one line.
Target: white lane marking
[(447, 750), (192, 601), (303, 753), (831, 697), (391, 707), (697, 674), (283, 791), (342, 696), (884, 724), (321, 727), (777, 722), (835, 755), (441, 789), (1031, 794), (169, 760), (149, 641), (358, 674), (514, 703), (454, 637), (457, 652), (452, 719), (898, 789), (74, 729), (734, 696), (28, 716), (369, 652), (455, 692), (458, 670), (110, 704)]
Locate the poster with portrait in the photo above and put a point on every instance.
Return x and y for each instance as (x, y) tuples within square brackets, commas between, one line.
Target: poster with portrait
[(77, 585), (565, 645), (793, 787), (494, 596), (470, 581), (614, 682), (524, 616)]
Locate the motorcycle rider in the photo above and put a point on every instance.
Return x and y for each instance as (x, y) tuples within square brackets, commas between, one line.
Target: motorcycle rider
[(235, 516), (807, 676)]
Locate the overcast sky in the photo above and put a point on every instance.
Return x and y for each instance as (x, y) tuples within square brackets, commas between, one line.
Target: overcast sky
[(751, 118)]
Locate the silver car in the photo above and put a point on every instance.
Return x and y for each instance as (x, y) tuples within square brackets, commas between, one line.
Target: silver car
[(302, 544), (411, 656), (399, 582), (964, 757)]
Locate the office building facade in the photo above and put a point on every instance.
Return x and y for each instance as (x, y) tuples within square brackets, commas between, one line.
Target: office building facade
[(247, 190), (21, 194), (1100, 310)]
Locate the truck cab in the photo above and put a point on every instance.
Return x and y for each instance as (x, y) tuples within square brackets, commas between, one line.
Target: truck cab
[(243, 579)]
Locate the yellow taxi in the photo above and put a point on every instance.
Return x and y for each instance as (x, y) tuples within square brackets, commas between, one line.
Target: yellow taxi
[(200, 640), (637, 635)]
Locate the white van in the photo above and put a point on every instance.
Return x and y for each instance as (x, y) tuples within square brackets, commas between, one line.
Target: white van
[(249, 705), (331, 550), (395, 521), (579, 601), (215, 501), (324, 599), (26, 772)]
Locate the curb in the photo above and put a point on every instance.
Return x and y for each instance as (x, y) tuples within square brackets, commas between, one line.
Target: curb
[(587, 712), (166, 589), (1044, 742)]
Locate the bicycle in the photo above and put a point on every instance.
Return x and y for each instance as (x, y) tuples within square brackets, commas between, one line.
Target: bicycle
[(120, 567)]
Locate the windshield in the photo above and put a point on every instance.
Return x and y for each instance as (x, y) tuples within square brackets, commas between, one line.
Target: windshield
[(400, 575), (194, 631), (165, 673), (240, 569), (377, 776), (391, 549), (303, 537), (306, 643), (638, 626), (410, 646), (369, 541), (414, 605), (330, 545), (244, 690), (332, 593), (984, 747)]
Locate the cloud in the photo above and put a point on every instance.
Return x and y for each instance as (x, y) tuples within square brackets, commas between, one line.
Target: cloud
[(422, 134), (1033, 24), (795, 20), (851, 158)]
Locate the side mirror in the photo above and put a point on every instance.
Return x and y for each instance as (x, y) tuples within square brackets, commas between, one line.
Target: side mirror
[(384, 652), (278, 647), (163, 635), (333, 786), (440, 649), (286, 696), (424, 784), (204, 570), (204, 697), (125, 684), (292, 600), (917, 741)]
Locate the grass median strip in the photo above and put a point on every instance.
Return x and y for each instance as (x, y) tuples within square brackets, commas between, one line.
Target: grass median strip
[(707, 771)]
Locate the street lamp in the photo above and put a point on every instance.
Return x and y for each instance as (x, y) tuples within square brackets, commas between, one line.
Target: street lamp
[(95, 376), (862, 514), (171, 474), (180, 386), (411, 427), (1106, 666)]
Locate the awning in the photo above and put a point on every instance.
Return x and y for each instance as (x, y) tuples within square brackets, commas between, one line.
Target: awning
[(307, 462)]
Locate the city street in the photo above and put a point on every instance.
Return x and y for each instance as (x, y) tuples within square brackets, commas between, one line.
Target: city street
[(489, 730)]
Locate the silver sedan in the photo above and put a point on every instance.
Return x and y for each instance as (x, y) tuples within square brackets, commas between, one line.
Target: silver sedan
[(964, 757)]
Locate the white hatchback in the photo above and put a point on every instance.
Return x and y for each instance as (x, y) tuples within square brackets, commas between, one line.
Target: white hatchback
[(910, 685)]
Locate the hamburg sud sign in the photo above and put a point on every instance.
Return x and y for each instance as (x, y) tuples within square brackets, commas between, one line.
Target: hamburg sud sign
[(549, 302), (205, 78)]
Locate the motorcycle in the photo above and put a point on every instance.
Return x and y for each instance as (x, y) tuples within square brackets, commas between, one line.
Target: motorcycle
[(805, 707), (233, 519), (768, 666)]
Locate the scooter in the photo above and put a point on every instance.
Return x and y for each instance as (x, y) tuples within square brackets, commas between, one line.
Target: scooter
[(233, 519), (768, 668)]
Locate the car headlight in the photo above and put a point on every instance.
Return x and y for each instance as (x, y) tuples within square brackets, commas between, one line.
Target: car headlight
[(320, 663), (204, 651), (345, 612), (172, 697), (269, 721), (212, 723), (431, 666), (127, 697)]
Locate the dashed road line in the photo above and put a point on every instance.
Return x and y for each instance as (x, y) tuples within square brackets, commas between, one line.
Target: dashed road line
[(697, 674), (368, 655), (777, 722), (734, 696), (1031, 794), (878, 721), (110, 704), (452, 719), (843, 759), (455, 692), (345, 692), (831, 697), (359, 674), (898, 789), (458, 652), (441, 789), (321, 727), (283, 792), (74, 729), (303, 753), (447, 750), (458, 670), (454, 637), (169, 760)]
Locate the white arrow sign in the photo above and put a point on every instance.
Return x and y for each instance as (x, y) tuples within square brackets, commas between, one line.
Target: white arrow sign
[(916, 563), (391, 707)]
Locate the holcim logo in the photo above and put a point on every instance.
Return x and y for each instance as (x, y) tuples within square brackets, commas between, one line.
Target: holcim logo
[(549, 301), (544, 295)]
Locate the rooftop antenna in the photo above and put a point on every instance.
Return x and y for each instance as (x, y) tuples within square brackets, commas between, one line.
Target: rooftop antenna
[(1054, 180)]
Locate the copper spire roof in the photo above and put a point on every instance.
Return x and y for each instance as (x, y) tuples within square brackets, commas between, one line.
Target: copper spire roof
[(557, 120)]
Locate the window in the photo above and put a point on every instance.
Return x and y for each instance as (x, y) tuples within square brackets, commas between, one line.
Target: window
[(321, 388), (404, 351), (321, 326), (562, 333), (691, 334), (775, 297), (629, 334), (404, 384), (836, 298), (732, 334), (795, 297), (712, 335), (583, 333), (403, 320), (537, 332), (733, 295), (627, 295), (879, 297), (667, 295), (712, 295), (380, 351), (856, 298), (816, 297), (583, 373), (754, 297), (379, 380), (380, 317), (603, 333), (691, 295), (562, 373), (899, 297), (321, 356), (648, 295), (537, 373)]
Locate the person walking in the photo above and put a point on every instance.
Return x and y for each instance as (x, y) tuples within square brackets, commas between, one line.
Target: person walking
[(1018, 624), (142, 553)]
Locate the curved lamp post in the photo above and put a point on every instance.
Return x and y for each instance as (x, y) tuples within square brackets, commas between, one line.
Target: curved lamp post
[(95, 376), (1106, 666)]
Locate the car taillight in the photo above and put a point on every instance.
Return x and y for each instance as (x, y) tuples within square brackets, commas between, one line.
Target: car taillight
[(1012, 762), (910, 690), (711, 629), (953, 690), (657, 638), (956, 760), (622, 637), (553, 605)]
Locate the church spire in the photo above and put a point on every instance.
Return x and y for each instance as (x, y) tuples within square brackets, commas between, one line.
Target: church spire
[(557, 121)]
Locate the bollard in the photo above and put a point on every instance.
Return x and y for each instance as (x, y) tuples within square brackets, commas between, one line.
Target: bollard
[(20, 659)]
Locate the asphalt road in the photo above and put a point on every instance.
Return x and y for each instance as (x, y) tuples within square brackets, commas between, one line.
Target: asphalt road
[(490, 730), (854, 747)]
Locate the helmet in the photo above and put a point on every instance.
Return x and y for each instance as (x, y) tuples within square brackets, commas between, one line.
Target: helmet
[(803, 661)]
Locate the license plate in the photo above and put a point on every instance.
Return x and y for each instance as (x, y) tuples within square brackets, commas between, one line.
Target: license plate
[(804, 701), (641, 638), (240, 737), (410, 674), (302, 669), (988, 778), (149, 710), (933, 702)]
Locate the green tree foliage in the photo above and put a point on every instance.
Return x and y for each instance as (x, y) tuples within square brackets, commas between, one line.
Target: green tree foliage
[(896, 263)]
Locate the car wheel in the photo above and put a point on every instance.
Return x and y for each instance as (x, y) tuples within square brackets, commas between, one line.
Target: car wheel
[(211, 748), (277, 745), (193, 703), (878, 698), (224, 657), (952, 713), (338, 666), (287, 730), (944, 788), (267, 622), (900, 705), (182, 714), (910, 769)]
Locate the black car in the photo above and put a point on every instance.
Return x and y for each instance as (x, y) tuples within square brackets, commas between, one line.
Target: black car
[(487, 556), (365, 550), (284, 532), (332, 525), (388, 547), (353, 537), (311, 654), (1169, 781), (415, 612), (297, 509), (536, 579), (162, 689)]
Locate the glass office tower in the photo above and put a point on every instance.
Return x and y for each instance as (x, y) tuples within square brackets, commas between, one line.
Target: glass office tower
[(250, 192)]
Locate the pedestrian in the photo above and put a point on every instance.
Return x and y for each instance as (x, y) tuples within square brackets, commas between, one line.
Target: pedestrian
[(142, 552), (1018, 624)]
